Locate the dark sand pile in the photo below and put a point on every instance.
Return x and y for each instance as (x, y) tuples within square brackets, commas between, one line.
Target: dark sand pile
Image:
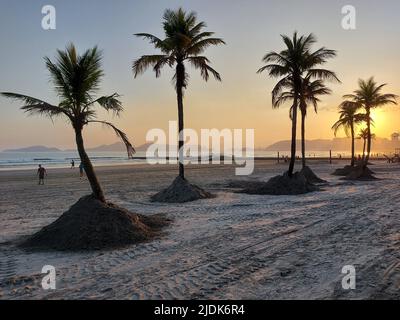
[(282, 185), (360, 173), (181, 191), (92, 225), (343, 171), (311, 176), (349, 169)]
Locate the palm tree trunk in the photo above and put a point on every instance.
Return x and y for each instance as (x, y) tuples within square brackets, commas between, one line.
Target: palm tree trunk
[(368, 137), (365, 143), (180, 76), (352, 144), (303, 138), (293, 144), (87, 164)]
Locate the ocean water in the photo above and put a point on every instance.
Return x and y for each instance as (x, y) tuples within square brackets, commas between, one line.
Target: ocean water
[(30, 160)]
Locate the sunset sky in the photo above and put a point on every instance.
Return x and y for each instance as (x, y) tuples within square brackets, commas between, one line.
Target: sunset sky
[(242, 100)]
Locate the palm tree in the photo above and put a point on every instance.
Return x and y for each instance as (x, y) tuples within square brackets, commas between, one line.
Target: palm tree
[(184, 42), (369, 96), (308, 95), (76, 79), (348, 120), (290, 65), (363, 135)]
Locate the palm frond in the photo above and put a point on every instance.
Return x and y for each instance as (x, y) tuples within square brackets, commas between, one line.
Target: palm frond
[(200, 46), (323, 74), (109, 103), (140, 65), (201, 63), (36, 106), (158, 43), (122, 135)]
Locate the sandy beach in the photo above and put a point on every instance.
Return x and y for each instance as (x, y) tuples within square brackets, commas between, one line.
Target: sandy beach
[(234, 246)]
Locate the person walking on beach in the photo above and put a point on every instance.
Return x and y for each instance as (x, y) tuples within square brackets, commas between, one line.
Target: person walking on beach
[(41, 173), (81, 170), (72, 164)]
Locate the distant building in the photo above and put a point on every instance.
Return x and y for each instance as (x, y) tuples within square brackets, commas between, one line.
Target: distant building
[(395, 136)]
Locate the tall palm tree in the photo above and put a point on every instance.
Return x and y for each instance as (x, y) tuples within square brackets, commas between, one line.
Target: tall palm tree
[(76, 79), (309, 95), (310, 90), (363, 135), (348, 120), (291, 65), (185, 42), (369, 96)]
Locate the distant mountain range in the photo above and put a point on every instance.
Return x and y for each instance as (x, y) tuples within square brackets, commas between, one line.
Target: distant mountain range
[(115, 147), (34, 149), (336, 144)]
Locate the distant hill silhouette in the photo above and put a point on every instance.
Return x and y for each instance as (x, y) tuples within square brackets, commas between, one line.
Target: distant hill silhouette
[(33, 149), (336, 144)]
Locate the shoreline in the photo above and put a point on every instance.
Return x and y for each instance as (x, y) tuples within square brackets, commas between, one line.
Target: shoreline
[(126, 163)]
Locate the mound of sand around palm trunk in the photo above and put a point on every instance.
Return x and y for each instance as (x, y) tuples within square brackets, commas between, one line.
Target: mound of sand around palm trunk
[(311, 176), (349, 169), (343, 171), (181, 191), (360, 173), (92, 225), (282, 185)]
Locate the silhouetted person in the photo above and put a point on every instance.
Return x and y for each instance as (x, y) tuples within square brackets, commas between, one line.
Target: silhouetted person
[(41, 173), (72, 164)]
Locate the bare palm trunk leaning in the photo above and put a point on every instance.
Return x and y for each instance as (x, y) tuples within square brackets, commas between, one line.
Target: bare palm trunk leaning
[(367, 97), (294, 65), (184, 42), (87, 164), (91, 223)]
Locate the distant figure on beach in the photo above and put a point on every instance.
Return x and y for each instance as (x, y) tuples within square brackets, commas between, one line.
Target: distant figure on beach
[(72, 164), (41, 173), (81, 170)]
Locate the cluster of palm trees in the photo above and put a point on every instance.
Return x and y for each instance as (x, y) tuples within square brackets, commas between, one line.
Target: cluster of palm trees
[(356, 110), (301, 81), (76, 79)]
